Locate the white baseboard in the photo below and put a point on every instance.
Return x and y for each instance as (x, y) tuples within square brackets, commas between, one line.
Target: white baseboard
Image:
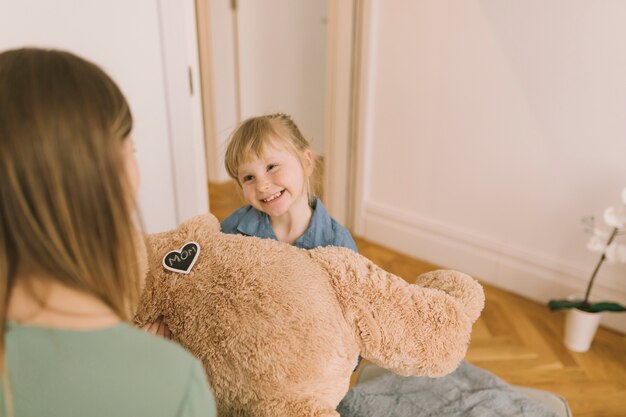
[(520, 272)]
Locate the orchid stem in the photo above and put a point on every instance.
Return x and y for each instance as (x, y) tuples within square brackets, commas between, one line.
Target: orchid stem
[(595, 271)]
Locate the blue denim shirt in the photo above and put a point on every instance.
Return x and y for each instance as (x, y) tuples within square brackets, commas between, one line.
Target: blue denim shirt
[(323, 230)]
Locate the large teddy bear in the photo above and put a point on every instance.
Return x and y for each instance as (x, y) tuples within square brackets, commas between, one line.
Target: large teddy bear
[(279, 329)]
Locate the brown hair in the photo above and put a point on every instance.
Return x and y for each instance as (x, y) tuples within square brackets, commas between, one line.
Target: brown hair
[(253, 134), (65, 205)]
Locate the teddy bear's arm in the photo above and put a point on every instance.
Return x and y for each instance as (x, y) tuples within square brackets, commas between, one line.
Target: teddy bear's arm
[(149, 308), (409, 329)]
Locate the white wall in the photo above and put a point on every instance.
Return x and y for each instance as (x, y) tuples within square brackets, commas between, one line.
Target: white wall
[(283, 62), (282, 53), (129, 39), (494, 127)]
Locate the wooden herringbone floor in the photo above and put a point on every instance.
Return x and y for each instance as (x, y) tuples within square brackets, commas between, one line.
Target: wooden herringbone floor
[(517, 339)]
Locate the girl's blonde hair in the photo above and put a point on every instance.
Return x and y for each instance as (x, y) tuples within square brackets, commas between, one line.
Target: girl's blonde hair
[(251, 137), (65, 201)]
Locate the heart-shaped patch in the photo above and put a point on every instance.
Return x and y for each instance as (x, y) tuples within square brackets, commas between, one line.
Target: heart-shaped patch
[(182, 260)]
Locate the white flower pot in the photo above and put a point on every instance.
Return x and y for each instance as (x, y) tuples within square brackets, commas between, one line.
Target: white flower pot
[(580, 328)]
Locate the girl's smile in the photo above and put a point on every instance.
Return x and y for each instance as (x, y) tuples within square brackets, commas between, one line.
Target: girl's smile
[(274, 182), (273, 198)]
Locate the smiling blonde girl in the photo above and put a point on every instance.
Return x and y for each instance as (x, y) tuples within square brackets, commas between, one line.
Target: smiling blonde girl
[(273, 164)]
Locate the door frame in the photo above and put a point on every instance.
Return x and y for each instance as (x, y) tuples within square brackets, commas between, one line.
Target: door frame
[(343, 152), (349, 109), (339, 75), (184, 107)]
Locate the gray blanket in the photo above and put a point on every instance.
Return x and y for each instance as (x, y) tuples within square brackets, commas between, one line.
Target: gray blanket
[(469, 392)]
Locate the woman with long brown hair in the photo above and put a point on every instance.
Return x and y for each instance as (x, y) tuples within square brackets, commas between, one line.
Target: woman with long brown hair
[(69, 269)]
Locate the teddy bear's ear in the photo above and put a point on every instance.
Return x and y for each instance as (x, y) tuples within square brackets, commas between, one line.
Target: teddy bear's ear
[(205, 223)]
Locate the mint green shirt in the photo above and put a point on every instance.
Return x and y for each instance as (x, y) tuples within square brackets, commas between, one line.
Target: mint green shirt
[(118, 371)]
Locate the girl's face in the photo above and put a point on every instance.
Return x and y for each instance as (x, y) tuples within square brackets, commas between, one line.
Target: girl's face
[(275, 182), (132, 170)]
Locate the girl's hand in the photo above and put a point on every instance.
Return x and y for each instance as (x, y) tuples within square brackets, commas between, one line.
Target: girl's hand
[(158, 328)]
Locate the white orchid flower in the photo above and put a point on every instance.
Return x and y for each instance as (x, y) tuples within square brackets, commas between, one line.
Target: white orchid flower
[(596, 243), (615, 217), (616, 253), (601, 233)]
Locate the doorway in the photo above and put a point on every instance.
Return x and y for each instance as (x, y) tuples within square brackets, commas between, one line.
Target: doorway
[(290, 56)]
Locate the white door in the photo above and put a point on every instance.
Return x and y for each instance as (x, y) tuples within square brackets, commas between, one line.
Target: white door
[(282, 50), (267, 57), (289, 55), (148, 48)]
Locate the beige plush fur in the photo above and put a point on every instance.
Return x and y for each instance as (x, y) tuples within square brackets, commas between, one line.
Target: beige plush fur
[(279, 329)]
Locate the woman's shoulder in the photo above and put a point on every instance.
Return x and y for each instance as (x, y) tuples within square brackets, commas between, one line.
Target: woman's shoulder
[(120, 339), (140, 353), (170, 362), (140, 341), (150, 373)]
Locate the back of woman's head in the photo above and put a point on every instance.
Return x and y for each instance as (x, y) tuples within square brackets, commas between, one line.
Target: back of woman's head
[(65, 200)]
